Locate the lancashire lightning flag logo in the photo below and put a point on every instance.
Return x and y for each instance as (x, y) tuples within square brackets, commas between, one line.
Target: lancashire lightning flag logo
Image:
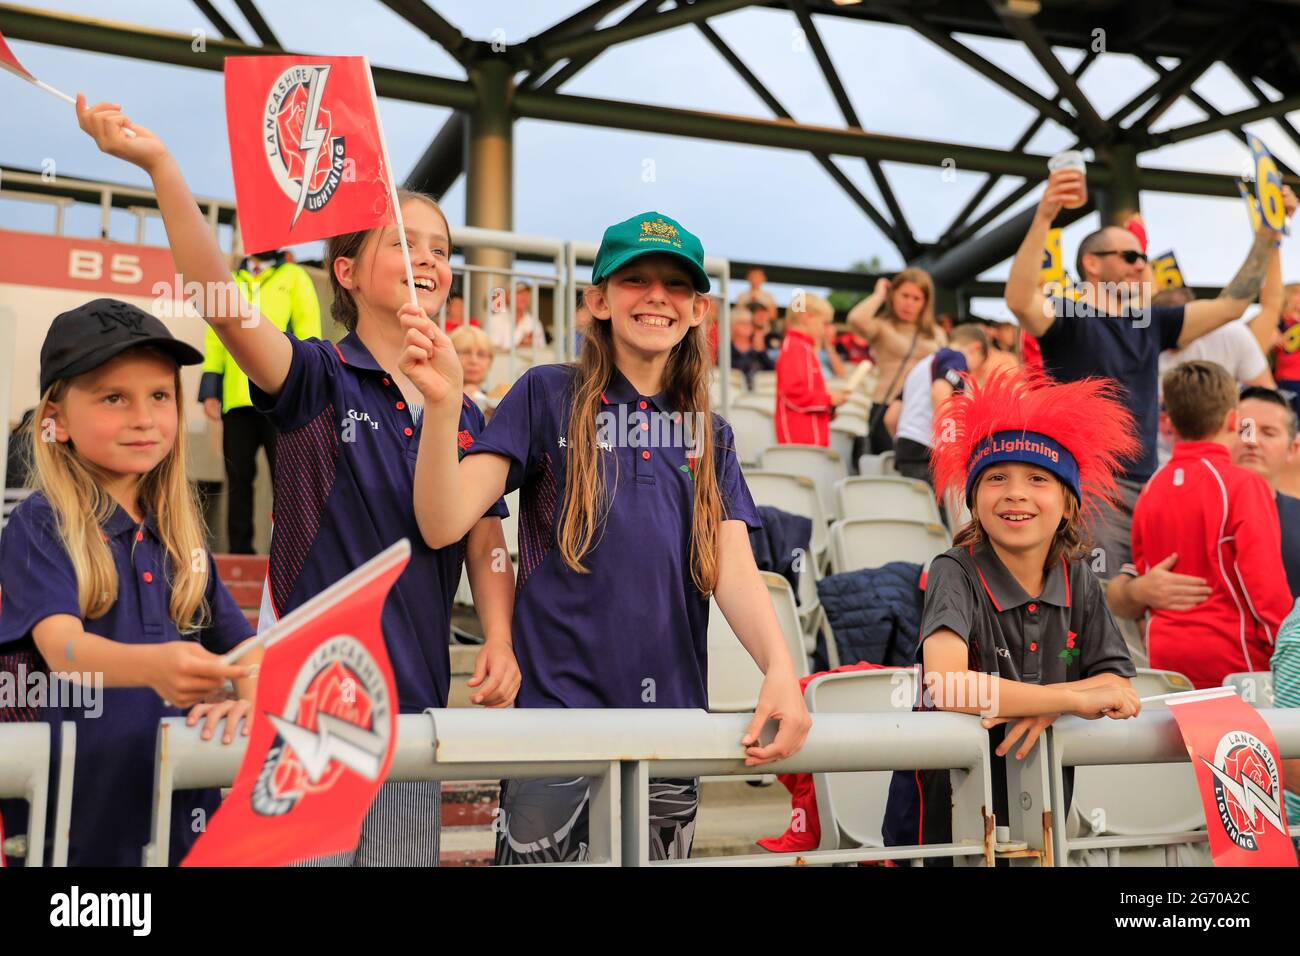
[(1246, 788), (323, 731), (306, 159), (336, 719)]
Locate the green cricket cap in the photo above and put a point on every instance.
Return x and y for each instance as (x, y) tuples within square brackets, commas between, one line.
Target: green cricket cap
[(644, 234)]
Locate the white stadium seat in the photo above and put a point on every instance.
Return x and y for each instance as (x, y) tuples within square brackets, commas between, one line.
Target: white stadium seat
[(822, 465), (880, 497), (874, 542), (851, 806), (754, 430)]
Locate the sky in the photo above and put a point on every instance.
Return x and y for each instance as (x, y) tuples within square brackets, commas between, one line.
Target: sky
[(745, 203)]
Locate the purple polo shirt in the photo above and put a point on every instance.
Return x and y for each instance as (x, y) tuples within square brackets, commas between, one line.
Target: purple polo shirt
[(633, 631), (344, 480), (112, 790)]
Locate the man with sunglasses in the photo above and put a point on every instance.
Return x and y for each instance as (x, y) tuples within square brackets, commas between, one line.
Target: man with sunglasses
[(1112, 331)]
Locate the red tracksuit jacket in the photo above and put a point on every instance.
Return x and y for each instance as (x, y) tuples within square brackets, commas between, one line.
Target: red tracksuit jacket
[(1222, 522), (803, 405)]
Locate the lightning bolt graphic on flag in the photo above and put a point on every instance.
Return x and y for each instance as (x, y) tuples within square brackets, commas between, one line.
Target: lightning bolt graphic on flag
[(323, 729), (312, 137)]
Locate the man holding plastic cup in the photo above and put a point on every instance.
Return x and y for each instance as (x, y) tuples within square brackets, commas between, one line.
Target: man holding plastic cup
[(1110, 331)]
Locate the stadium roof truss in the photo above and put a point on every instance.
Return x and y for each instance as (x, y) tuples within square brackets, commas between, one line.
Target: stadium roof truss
[(1255, 39)]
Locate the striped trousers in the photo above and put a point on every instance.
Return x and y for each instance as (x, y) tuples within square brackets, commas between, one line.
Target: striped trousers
[(401, 828)]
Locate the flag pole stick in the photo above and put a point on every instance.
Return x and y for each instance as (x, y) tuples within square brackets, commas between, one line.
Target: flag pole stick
[(399, 551), (51, 90), (1185, 696), (392, 184)]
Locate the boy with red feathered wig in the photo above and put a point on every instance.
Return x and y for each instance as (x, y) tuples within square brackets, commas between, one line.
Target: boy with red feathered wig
[(1015, 627)]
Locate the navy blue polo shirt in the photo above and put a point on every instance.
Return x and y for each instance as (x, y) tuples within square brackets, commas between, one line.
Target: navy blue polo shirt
[(112, 791), (633, 631), (1288, 512), (1082, 342), (344, 491)]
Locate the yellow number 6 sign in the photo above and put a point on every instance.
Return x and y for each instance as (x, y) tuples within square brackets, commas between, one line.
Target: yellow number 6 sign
[(1166, 271), (1268, 186)]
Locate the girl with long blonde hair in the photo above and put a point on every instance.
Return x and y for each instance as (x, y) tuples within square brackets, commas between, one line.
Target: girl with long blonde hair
[(633, 512), (107, 582)]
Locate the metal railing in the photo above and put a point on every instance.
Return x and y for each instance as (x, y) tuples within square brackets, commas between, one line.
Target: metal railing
[(25, 774), (213, 208), (621, 750), (1036, 785)]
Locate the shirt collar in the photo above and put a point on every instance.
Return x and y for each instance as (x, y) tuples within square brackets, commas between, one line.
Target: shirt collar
[(354, 352), (119, 523), (620, 391), (800, 334), (1006, 592), (1201, 449), (246, 275)]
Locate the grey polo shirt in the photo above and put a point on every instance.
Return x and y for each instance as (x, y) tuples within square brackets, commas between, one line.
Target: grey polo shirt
[(1066, 633)]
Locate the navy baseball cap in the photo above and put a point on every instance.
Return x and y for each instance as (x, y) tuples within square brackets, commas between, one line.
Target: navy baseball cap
[(86, 337), (644, 234)]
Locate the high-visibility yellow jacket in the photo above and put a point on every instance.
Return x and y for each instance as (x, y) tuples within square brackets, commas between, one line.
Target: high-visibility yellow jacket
[(285, 297)]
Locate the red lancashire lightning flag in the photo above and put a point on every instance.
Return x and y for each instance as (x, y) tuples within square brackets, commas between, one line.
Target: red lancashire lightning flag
[(324, 726), (1238, 771), (306, 148), (10, 62)]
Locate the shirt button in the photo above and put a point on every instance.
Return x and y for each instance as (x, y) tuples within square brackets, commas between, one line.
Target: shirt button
[(1033, 608), (148, 577), (139, 536), (645, 426), (641, 404), (407, 432), (401, 405), (1033, 646), (385, 381), (645, 455)]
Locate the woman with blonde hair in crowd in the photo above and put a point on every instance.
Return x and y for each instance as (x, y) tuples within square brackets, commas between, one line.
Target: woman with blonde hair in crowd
[(475, 351), (898, 320)]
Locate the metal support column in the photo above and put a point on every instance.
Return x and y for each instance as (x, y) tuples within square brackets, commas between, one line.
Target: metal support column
[(489, 161), (1119, 200)]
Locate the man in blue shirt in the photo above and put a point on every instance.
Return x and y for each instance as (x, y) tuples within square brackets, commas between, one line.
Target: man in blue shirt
[(1268, 444), (1110, 331)]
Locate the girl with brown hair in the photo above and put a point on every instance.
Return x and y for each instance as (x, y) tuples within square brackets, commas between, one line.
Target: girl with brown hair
[(633, 512)]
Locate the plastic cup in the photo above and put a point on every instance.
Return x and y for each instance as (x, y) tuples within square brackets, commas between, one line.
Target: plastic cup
[(1072, 159)]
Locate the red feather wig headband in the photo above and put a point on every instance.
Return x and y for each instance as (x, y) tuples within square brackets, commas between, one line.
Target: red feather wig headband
[(1079, 431)]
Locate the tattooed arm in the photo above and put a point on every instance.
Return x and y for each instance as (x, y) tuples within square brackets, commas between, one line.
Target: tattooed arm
[(1206, 315)]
